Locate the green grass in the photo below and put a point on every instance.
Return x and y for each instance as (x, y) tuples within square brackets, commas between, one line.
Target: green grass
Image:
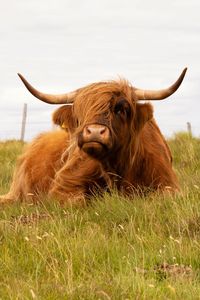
[(116, 248)]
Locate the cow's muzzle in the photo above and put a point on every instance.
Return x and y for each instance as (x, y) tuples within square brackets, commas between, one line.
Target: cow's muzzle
[(95, 140)]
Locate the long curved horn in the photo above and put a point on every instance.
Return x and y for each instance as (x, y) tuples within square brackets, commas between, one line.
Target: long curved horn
[(48, 98), (160, 94)]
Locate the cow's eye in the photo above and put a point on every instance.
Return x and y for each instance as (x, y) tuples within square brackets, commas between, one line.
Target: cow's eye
[(122, 108), (119, 109)]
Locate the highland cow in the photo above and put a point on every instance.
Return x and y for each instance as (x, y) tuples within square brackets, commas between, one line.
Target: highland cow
[(109, 140)]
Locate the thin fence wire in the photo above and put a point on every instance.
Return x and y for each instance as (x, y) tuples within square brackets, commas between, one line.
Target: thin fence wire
[(12, 128)]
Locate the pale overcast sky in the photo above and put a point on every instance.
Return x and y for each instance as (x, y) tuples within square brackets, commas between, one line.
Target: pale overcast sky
[(62, 45)]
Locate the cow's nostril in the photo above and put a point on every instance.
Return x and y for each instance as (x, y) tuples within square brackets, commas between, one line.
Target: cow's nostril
[(88, 130), (102, 130)]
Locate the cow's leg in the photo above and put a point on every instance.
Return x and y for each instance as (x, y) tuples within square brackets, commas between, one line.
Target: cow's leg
[(75, 180), (21, 187), (15, 191), (7, 199)]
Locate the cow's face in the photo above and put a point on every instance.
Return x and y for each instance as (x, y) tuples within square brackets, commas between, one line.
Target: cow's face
[(105, 132), (108, 118)]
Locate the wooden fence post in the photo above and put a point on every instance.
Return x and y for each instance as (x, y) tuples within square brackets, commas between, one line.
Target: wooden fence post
[(23, 127), (189, 129)]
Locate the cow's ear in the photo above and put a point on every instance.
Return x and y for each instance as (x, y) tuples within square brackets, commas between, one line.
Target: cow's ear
[(144, 113), (63, 117)]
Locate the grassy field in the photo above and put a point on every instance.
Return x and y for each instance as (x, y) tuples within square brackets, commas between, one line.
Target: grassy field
[(117, 248)]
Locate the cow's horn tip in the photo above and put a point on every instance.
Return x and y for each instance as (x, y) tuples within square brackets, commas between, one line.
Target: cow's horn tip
[(20, 75), (185, 69)]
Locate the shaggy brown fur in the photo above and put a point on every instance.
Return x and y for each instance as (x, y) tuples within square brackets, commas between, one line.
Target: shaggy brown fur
[(137, 155)]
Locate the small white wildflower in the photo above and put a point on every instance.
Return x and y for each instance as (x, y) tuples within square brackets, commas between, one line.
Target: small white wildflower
[(45, 235), (26, 238), (33, 294), (120, 226), (175, 240)]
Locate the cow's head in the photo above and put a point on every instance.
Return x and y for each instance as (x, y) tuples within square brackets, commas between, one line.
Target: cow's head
[(106, 117)]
